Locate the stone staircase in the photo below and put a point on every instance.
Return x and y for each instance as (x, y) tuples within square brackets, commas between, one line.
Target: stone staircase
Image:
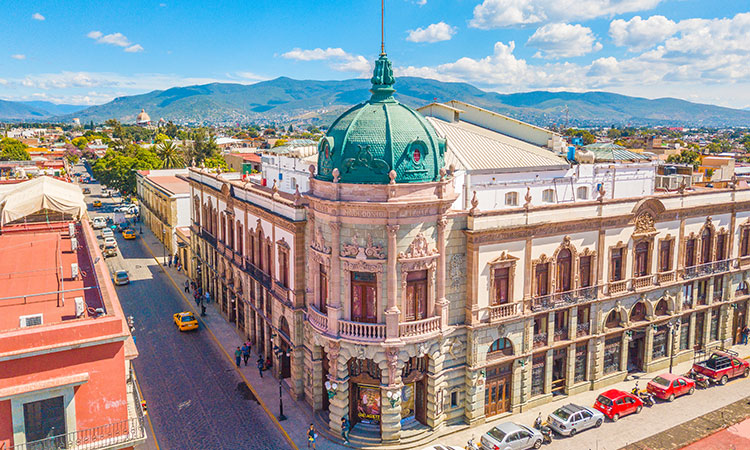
[(413, 435)]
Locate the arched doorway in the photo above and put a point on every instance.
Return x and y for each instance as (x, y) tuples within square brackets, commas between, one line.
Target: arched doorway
[(497, 392), (285, 346), (637, 344), (364, 393), (414, 392)]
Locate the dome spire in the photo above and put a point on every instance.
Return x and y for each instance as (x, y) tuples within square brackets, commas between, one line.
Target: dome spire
[(382, 77), (382, 27)]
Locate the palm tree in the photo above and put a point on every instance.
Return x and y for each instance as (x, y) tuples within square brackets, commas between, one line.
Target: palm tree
[(171, 155)]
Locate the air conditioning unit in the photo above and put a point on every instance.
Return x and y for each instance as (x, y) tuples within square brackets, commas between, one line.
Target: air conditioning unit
[(73, 244), (30, 321), (80, 306), (71, 229), (74, 270)]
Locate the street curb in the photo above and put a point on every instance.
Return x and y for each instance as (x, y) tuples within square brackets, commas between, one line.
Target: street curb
[(140, 394), (247, 382)]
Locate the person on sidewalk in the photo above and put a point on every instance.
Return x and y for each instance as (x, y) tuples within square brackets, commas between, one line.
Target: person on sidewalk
[(260, 366), (237, 356), (245, 352), (197, 298), (311, 435), (207, 298), (187, 287), (745, 334), (203, 310), (169, 261), (345, 425)]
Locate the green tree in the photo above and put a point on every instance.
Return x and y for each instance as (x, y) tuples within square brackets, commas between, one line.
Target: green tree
[(291, 129), (279, 143), (688, 157), (588, 138), (216, 161), (80, 142), (203, 147), (170, 154), (13, 150), (614, 133)]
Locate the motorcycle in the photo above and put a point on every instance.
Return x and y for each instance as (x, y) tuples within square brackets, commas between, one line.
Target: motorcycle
[(647, 398), (543, 428), (701, 382), (471, 445)]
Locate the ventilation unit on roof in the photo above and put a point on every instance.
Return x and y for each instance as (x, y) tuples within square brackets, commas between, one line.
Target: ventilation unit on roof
[(80, 306), (73, 244), (71, 229), (30, 321), (74, 270)]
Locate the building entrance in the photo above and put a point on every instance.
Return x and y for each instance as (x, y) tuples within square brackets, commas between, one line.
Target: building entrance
[(636, 348), (497, 391)]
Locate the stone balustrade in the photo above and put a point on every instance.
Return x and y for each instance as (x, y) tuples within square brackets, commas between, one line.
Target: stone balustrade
[(317, 319), (499, 312), (371, 332), (419, 327)]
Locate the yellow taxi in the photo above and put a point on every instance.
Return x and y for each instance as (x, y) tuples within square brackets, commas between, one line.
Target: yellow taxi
[(185, 321), (97, 203), (128, 233)]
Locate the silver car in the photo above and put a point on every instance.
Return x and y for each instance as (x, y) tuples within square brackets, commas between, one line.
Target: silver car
[(570, 419), (511, 436)]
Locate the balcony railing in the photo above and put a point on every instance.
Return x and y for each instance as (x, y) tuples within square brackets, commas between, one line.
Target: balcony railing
[(317, 319), (665, 277), (419, 327), (362, 331), (208, 237), (113, 435), (616, 287), (582, 329), (561, 334), (540, 340), (709, 268), (561, 299), (255, 272), (498, 312), (643, 281)]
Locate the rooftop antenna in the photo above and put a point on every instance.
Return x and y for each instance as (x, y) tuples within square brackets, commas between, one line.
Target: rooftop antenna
[(566, 110), (382, 27)]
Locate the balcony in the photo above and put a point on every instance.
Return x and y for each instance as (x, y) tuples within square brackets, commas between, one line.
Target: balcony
[(282, 293), (208, 237), (562, 299), (665, 277), (540, 340), (360, 331), (643, 282), (718, 296), (499, 312), (317, 319), (419, 328), (706, 269), (561, 334), (617, 287), (582, 329), (255, 272)]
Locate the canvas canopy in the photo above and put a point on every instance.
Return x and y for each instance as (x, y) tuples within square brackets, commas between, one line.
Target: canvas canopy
[(44, 193)]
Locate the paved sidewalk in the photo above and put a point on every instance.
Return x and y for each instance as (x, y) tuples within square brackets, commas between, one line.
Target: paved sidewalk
[(264, 390)]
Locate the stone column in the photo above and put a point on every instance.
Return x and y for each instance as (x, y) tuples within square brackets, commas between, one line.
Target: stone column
[(442, 306), (390, 414), (392, 311), (648, 347), (548, 362), (334, 302), (339, 372), (474, 400), (436, 383), (692, 333), (623, 352), (551, 328)]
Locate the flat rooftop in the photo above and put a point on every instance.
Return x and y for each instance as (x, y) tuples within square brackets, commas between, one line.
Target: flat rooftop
[(170, 183), (36, 274)]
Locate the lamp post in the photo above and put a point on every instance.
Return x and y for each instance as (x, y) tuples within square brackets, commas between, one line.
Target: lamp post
[(331, 388), (279, 353), (164, 243), (673, 326), (393, 397)]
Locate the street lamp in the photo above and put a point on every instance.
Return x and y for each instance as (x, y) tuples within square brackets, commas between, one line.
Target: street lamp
[(279, 353), (164, 242), (331, 389), (674, 326), (393, 397)]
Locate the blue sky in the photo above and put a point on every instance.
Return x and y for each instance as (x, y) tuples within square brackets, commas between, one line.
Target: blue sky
[(89, 52)]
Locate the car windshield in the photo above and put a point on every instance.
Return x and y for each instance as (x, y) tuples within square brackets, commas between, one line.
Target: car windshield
[(661, 381), (122, 275), (562, 413), (188, 318), (497, 434), (604, 400)]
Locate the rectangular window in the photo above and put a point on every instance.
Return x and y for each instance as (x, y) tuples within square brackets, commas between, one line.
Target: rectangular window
[(284, 268), (580, 364), (718, 288), (585, 271), (684, 332), (323, 289), (541, 279), (269, 250), (700, 328), (454, 399), (665, 256), (537, 375), (612, 354), (416, 295), (714, 325), (364, 298), (690, 253), (641, 259), (616, 265), (660, 342), (501, 280), (44, 419), (745, 241), (721, 240), (548, 196)]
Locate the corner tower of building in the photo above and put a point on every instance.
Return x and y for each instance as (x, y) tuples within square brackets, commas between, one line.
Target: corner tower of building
[(381, 138)]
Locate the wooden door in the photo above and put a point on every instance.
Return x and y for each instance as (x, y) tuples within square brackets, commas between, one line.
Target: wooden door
[(363, 302), (420, 401), (497, 396)]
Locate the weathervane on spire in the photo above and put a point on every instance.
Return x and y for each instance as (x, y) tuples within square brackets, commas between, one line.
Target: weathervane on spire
[(382, 27)]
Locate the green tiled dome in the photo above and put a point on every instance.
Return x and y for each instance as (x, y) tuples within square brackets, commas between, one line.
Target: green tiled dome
[(373, 138)]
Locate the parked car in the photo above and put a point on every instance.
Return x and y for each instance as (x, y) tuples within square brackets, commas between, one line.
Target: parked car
[(121, 278), (86, 190), (99, 222), (667, 386), (97, 203), (615, 404), (109, 251), (110, 242), (108, 233), (185, 321), (721, 366), (570, 419), (511, 436)]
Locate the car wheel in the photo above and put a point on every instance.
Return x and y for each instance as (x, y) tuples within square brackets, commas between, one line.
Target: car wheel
[(572, 432), (615, 418), (691, 391), (670, 398), (746, 372), (599, 423), (638, 409), (723, 380), (538, 443)]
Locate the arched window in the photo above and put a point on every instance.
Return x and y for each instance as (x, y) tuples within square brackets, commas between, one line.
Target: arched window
[(641, 259), (582, 193), (706, 245), (638, 313), (613, 319), (661, 308), (511, 199), (499, 348), (564, 272)]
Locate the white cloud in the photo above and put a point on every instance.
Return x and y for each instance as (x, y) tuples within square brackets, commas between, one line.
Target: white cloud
[(507, 13), (18, 56), (339, 59), (249, 76), (421, 2), (436, 32), (562, 40), (638, 34), (37, 16), (116, 39)]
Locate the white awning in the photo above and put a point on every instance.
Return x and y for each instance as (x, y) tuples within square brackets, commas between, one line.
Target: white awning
[(28, 197)]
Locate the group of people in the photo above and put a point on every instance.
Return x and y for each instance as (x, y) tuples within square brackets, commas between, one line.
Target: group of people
[(242, 353), (174, 260), (742, 334), (312, 435), (200, 297)]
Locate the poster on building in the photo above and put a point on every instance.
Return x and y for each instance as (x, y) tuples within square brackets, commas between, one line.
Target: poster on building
[(368, 406), (407, 401)]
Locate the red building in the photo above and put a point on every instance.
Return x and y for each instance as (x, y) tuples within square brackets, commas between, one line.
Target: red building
[(65, 344)]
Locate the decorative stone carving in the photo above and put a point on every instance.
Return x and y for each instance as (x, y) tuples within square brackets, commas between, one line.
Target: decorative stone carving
[(391, 355), (359, 351), (644, 224), (336, 175), (392, 177), (419, 248), (358, 265), (373, 250), (283, 243), (457, 270), (334, 348), (297, 196), (527, 197), (421, 350), (455, 347), (319, 242), (474, 204), (370, 251)]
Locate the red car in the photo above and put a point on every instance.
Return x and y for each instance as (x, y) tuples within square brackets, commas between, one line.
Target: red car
[(667, 386), (615, 404)]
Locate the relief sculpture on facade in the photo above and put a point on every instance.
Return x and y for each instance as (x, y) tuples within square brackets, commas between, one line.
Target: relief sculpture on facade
[(354, 250)]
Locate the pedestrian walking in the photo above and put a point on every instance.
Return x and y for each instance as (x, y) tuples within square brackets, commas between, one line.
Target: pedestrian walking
[(237, 356), (197, 298), (169, 261), (246, 352), (345, 425), (203, 310), (187, 287), (745, 334), (311, 436), (207, 298), (260, 367)]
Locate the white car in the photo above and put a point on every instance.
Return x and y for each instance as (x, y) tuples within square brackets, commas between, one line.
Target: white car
[(110, 242), (108, 233), (99, 222)]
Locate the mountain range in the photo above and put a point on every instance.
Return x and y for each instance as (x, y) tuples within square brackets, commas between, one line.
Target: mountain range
[(319, 102), (34, 110)]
